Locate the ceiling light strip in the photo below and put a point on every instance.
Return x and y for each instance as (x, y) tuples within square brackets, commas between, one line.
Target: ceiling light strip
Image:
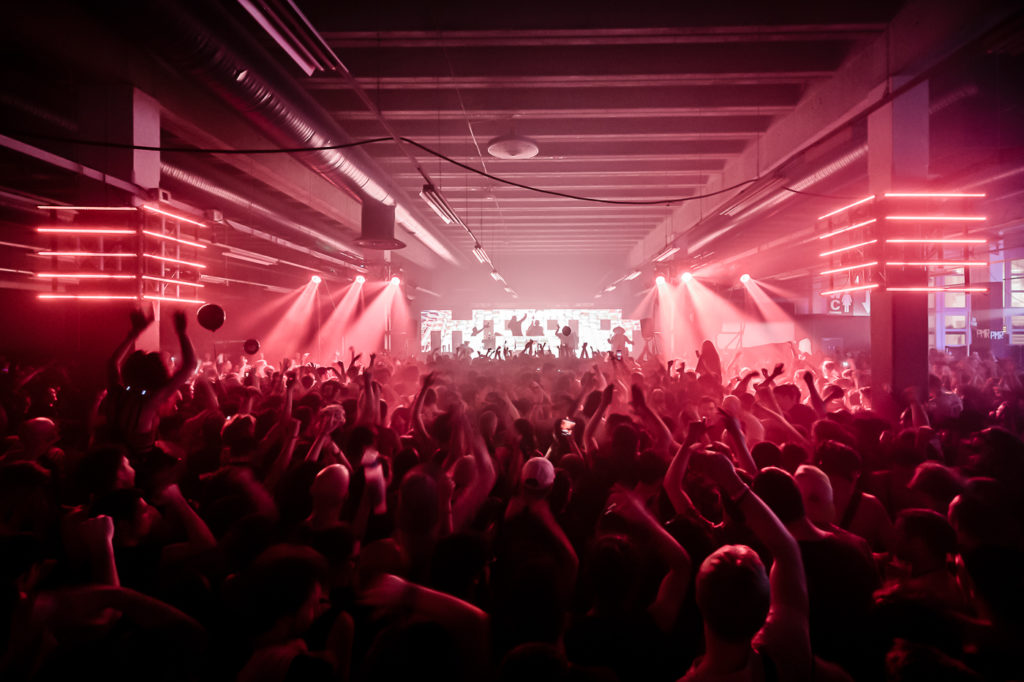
[(933, 195), (847, 229), (171, 299), (82, 275), (172, 281), (88, 254), (87, 208), (86, 297), (941, 263), (173, 216), (938, 218), (849, 267), (904, 240), (847, 248), (847, 207), (939, 290), (862, 287), (179, 240), (84, 230), (174, 260)]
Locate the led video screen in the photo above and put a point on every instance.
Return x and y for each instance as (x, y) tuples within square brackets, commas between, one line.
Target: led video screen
[(515, 327)]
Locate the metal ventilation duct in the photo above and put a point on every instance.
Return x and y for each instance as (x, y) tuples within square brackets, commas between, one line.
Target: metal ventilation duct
[(261, 91)]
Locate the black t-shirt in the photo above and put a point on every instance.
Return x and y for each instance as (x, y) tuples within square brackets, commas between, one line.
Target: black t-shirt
[(840, 584)]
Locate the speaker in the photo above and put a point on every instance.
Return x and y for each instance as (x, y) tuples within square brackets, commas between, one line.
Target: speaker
[(647, 327), (378, 227)]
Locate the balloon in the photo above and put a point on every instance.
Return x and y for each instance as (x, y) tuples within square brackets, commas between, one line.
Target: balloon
[(211, 316), (251, 346)]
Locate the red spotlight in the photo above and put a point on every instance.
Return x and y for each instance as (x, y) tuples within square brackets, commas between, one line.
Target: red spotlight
[(687, 276), (660, 279), (396, 280), (360, 279), (744, 278), (315, 279)]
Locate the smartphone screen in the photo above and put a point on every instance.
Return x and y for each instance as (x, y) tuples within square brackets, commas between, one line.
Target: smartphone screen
[(566, 427), (618, 355)]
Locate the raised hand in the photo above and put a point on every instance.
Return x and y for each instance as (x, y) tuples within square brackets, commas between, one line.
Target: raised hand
[(637, 398), (140, 319), (180, 322)]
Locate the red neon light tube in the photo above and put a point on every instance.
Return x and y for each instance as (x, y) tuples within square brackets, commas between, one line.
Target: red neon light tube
[(939, 290), (847, 248), (186, 242), (948, 263), (937, 241), (175, 260), (173, 300), (840, 210), (81, 275), (931, 195), (173, 216), (88, 254), (862, 287), (931, 218), (88, 208), (87, 297), (847, 229), (83, 230), (849, 267), (171, 281)]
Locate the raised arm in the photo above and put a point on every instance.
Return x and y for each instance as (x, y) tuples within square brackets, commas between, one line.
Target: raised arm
[(788, 584), (140, 320), (590, 432), (189, 363), (667, 604), (816, 402)]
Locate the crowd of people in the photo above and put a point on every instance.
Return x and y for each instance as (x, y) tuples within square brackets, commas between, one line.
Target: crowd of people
[(515, 517)]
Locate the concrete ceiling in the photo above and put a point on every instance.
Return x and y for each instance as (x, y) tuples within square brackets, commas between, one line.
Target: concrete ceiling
[(650, 104)]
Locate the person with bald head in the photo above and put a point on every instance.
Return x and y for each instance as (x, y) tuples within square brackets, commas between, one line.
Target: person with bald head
[(329, 492), (816, 491)]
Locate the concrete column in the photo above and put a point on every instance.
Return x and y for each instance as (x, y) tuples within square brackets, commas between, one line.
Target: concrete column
[(119, 113), (898, 159)]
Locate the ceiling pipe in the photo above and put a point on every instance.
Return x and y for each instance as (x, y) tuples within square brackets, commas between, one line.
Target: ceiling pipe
[(261, 91)]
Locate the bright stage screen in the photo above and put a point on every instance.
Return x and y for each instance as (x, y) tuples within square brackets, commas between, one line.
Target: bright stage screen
[(514, 327)]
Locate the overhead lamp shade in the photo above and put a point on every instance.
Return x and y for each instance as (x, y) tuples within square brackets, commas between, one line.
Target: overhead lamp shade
[(378, 227), (512, 146)]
